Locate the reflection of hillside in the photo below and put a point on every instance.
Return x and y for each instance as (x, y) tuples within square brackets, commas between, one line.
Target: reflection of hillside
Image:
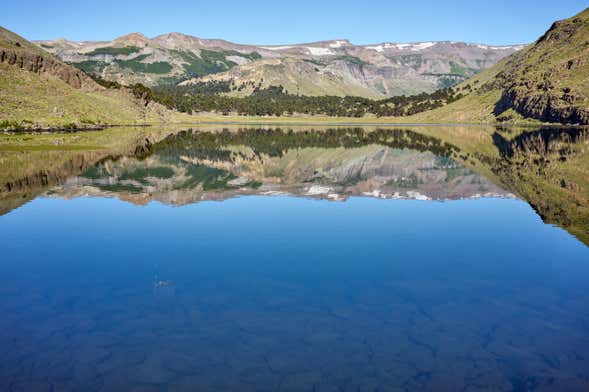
[(195, 166), (549, 168), (542, 142), (15, 191)]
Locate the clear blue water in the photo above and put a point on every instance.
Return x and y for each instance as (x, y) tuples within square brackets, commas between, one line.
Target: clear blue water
[(269, 260), (291, 293)]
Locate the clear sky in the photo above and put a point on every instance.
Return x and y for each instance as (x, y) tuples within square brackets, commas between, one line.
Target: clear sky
[(279, 21)]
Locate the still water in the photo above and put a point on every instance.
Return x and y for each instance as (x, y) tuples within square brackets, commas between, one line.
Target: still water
[(213, 266)]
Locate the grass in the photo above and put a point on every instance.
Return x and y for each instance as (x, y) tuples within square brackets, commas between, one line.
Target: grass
[(550, 76), (32, 100), (474, 116)]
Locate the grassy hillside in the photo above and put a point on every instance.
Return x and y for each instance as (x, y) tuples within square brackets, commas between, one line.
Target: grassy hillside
[(547, 81), (12, 41), (38, 90), (33, 100)]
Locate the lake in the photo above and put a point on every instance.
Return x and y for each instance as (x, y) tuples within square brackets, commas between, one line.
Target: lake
[(343, 259)]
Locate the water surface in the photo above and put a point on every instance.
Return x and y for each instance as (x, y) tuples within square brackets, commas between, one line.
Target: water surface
[(282, 263)]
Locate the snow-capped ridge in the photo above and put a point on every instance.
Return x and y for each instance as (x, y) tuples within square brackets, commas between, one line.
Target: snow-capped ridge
[(413, 46)]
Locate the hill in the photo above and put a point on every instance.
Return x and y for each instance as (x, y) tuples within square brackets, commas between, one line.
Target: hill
[(39, 90), (547, 81), (335, 67)]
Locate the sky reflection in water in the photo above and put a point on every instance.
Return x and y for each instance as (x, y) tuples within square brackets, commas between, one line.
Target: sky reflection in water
[(291, 293), (173, 272)]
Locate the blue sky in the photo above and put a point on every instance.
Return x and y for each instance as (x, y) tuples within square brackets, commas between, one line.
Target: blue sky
[(274, 22)]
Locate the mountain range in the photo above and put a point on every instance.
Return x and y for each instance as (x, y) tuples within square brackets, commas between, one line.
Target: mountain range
[(335, 67), (177, 176), (61, 83)]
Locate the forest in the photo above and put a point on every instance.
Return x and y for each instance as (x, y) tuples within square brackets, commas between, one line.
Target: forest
[(275, 101), (213, 97)]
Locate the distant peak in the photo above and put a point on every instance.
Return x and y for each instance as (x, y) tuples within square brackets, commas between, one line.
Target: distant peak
[(174, 35), (174, 39), (135, 39)]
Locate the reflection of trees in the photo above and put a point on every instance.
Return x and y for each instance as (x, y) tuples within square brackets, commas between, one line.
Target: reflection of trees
[(274, 142)]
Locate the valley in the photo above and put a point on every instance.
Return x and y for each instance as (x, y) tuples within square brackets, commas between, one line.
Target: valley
[(376, 196), (176, 78)]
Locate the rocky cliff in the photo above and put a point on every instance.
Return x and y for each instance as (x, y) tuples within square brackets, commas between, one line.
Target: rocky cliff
[(549, 80), (16, 51)]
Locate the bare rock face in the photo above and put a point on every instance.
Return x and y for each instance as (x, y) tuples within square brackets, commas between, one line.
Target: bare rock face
[(17, 51), (36, 63), (545, 107)]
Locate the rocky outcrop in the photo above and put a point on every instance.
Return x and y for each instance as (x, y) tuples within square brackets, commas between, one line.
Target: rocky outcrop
[(548, 81), (33, 62), (545, 107)]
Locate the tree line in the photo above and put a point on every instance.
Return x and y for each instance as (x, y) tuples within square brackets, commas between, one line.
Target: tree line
[(276, 101), (275, 142)]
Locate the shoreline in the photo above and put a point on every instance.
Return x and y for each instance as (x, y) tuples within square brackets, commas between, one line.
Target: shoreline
[(279, 121)]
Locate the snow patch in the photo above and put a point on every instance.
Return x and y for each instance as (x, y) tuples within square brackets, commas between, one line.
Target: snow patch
[(337, 44), (402, 46), (238, 60), (416, 47), (239, 181), (378, 48), (417, 196), (507, 47), (277, 47), (274, 193), (318, 190), (375, 193), (319, 51), (422, 46), (381, 48), (336, 197)]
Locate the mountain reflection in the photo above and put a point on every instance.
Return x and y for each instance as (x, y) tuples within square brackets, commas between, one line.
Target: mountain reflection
[(547, 167), (194, 166)]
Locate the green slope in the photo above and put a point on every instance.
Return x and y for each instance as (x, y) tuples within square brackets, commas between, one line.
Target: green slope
[(39, 90), (547, 81)]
